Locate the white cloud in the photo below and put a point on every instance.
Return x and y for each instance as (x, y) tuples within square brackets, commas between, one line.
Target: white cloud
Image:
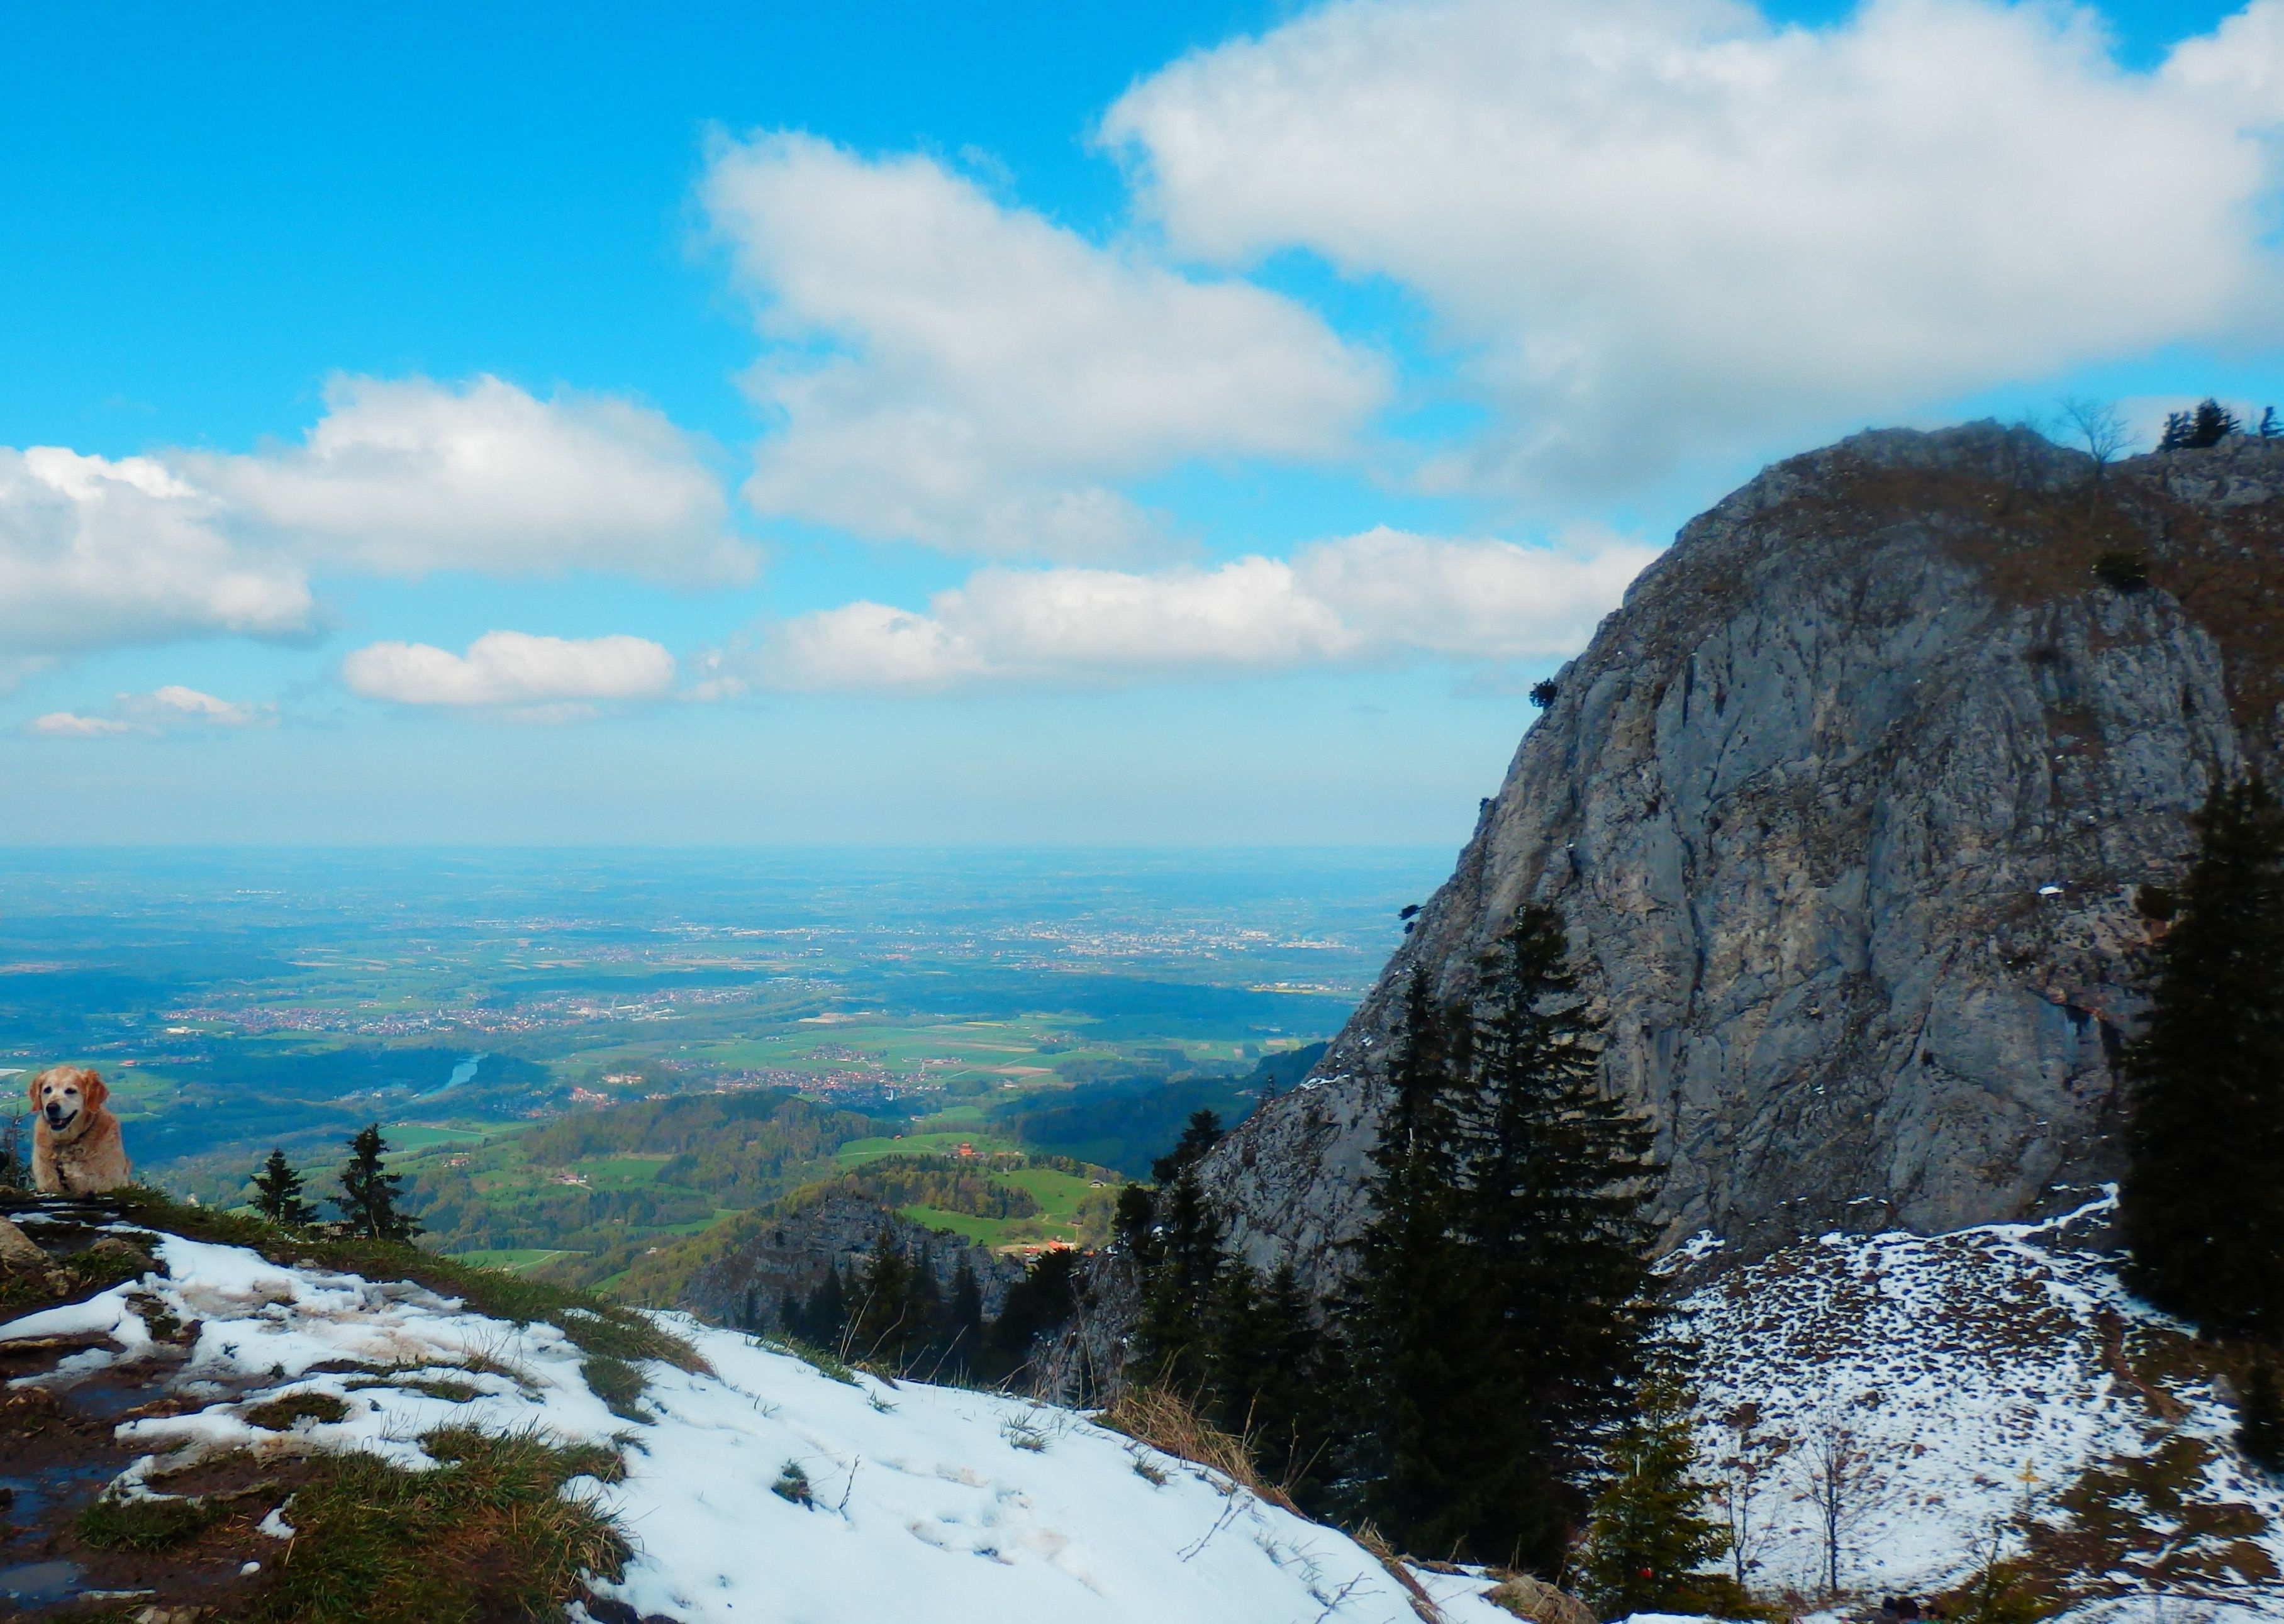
[(95, 553), (409, 477), (64, 724), (550, 679), (1660, 227), (172, 708), (396, 479), (1383, 596), (988, 376)]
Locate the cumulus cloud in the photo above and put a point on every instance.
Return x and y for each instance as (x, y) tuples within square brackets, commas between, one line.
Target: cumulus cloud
[(1383, 596), (1660, 227), (973, 377), (409, 477), (548, 678), (397, 478), (173, 708), (96, 552)]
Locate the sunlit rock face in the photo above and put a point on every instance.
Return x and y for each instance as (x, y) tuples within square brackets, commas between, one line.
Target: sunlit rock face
[(1852, 808)]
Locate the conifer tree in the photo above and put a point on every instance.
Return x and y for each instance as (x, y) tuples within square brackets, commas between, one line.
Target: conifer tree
[(1423, 1337), (370, 1192), (1276, 1377), (1557, 1176), (963, 1320), (1499, 1299), (1650, 1532), (278, 1192), (826, 1315), (1182, 1262), (881, 1325), (2201, 1204), (2260, 1416), (2206, 423)]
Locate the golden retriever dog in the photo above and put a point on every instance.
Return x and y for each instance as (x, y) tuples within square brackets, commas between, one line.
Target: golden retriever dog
[(76, 1149)]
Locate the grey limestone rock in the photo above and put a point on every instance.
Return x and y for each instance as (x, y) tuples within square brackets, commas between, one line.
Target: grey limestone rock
[(1850, 807)]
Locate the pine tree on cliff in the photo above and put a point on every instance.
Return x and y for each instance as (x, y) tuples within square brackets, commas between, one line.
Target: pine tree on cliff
[(1649, 1533), (1557, 1177), (370, 1192), (278, 1192), (1182, 1262), (882, 1324), (2203, 1207), (1430, 1454)]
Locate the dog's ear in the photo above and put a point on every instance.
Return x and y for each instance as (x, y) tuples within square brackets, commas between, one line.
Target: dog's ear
[(93, 1088), (32, 1089)]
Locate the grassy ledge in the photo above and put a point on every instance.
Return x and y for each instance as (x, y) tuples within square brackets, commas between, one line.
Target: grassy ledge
[(487, 1535)]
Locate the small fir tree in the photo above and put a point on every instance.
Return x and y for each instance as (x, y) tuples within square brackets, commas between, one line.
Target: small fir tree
[(2260, 1416), (370, 1192), (2202, 1206), (278, 1192), (1650, 1532), (882, 1325)]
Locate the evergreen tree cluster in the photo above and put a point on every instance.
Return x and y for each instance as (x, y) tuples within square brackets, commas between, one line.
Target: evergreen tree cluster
[(891, 1312), (369, 1198), (1490, 1343), (2207, 422), (1249, 1351), (2201, 1204)]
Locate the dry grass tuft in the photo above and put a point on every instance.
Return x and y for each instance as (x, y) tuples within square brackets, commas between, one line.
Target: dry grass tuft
[(1167, 1423)]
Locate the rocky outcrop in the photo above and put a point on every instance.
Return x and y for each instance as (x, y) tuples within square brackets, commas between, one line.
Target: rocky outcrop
[(787, 1250), (1853, 808)]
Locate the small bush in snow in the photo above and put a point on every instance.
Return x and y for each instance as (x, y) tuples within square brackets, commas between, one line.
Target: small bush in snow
[(792, 1484)]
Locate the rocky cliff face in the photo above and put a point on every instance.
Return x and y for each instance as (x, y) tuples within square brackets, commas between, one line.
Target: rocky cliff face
[(777, 1252), (1851, 808)]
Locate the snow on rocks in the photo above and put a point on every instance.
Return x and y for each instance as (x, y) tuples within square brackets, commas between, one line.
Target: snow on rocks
[(926, 1503), (1973, 1378)]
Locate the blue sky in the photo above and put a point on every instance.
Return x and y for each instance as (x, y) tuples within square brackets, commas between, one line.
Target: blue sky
[(1005, 423)]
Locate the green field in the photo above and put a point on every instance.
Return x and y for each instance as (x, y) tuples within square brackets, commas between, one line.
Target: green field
[(941, 1142), (513, 1259)]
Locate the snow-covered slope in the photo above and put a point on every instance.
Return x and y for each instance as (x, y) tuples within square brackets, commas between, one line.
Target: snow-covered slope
[(928, 1503), (1972, 1383)]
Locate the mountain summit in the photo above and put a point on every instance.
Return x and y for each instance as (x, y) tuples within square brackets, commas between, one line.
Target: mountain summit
[(1860, 810)]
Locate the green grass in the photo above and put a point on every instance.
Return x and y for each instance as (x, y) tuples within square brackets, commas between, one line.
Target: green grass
[(145, 1525), (939, 1143), (620, 1171), (984, 1231), (1058, 1193), (487, 1535), (279, 1414), (514, 1260), (419, 1135)]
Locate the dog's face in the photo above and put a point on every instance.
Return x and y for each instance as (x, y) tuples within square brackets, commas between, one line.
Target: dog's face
[(64, 1095)]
